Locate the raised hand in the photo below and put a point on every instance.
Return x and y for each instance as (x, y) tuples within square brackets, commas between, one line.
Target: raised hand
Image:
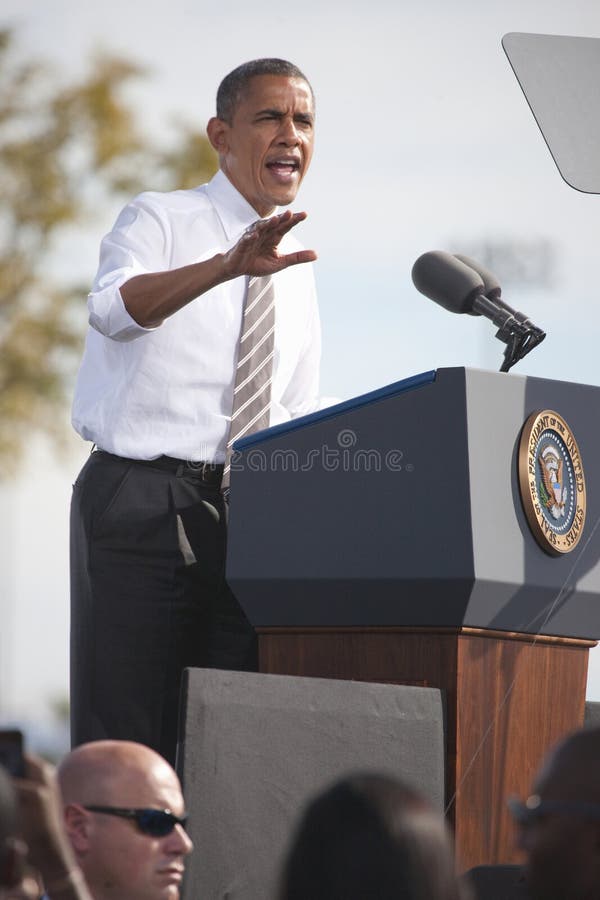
[(256, 252), (155, 296)]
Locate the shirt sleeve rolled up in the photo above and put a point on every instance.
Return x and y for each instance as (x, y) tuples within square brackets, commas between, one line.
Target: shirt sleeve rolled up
[(137, 245)]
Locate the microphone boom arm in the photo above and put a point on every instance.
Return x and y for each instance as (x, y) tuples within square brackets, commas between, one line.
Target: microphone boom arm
[(461, 285), (520, 339)]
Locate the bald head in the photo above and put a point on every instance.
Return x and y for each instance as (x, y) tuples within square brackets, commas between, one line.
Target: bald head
[(110, 771), (124, 814)]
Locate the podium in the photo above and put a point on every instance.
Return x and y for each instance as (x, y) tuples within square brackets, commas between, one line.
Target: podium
[(384, 539)]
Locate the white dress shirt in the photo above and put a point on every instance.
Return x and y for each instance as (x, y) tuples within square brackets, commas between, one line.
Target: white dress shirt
[(143, 392)]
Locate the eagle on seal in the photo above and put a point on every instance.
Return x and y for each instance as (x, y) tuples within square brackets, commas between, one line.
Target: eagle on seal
[(551, 466)]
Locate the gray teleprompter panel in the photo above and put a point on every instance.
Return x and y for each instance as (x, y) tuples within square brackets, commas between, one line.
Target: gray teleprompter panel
[(255, 748), (439, 540), (559, 76)]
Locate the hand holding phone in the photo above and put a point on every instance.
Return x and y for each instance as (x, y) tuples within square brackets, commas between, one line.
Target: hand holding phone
[(11, 752)]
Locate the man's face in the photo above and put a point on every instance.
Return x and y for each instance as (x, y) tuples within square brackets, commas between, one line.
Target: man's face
[(121, 862), (561, 850), (266, 149)]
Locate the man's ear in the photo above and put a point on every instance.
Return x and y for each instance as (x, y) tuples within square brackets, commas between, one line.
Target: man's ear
[(77, 826), (218, 133)]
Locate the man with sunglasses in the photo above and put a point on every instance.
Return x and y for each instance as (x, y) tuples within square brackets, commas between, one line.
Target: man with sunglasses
[(559, 824), (124, 815)]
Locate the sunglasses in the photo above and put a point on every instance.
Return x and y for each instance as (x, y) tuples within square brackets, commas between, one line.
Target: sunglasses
[(535, 808), (155, 822)]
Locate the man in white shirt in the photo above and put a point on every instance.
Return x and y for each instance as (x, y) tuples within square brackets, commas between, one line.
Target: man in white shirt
[(155, 395)]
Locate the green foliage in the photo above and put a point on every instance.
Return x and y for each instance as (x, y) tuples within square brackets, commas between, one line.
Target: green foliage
[(65, 153), (544, 495), (60, 708)]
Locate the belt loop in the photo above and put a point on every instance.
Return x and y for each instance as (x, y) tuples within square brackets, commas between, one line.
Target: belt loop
[(180, 470)]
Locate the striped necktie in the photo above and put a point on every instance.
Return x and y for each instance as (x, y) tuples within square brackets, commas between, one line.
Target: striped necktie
[(252, 391)]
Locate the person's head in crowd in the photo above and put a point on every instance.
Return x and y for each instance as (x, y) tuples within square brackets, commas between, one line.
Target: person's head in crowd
[(9, 857), (124, 815), (559, 824), (369, 835), (17, 881)]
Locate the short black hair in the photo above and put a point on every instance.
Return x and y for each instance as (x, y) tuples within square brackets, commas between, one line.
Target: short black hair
[(233, 85)]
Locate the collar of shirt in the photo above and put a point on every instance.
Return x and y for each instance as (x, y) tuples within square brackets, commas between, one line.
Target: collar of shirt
[(233, 210)]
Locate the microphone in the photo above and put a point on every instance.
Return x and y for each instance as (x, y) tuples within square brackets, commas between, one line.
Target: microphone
[(461, 285), (492, 289), (456, 286)]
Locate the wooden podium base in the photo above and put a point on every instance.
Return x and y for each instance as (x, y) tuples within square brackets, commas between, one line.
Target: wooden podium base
[(509, 697)]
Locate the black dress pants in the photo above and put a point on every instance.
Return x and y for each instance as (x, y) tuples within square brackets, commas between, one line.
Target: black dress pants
[(148, 598)]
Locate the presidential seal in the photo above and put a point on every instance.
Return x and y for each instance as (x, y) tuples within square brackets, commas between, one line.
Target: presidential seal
[(552, 482)]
